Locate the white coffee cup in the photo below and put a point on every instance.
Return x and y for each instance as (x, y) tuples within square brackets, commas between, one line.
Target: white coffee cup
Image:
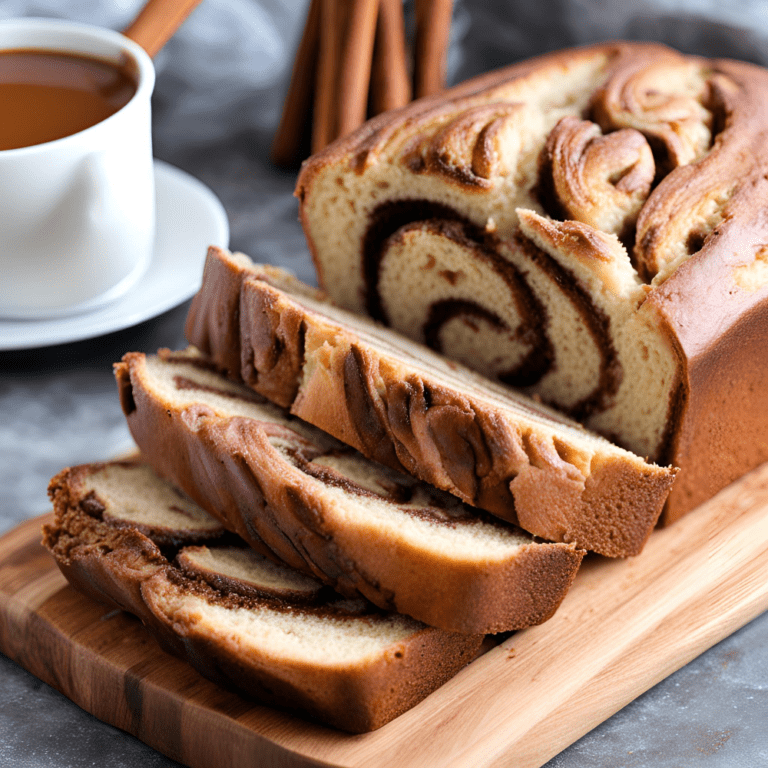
[(77, 215)]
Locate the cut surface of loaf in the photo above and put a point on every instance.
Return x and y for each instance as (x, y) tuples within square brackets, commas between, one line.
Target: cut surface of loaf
[(326, 510), (275, 635), (587, 225), (403, 405)]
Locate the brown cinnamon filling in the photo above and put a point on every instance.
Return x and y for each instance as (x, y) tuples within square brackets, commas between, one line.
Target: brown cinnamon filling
[(668, 448), (446, 512), (533, 366), (393, 493), (230, 584), (597, 323), (384, 221), (533, 314), (329, 605), (544, 190), (392, 215), (92, 505), (184, 383)]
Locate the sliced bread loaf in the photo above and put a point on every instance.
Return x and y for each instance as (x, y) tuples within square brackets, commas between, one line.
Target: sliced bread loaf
[(329, 512), (403, 405), (589, 225), (273, 634)]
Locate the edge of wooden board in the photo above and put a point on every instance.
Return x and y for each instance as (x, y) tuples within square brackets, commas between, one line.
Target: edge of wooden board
[(624, 626)]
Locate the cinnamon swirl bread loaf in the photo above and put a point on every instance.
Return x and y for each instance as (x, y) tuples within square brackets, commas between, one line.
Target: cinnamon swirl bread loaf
[(401, 404), (588, 226), (125, 537)]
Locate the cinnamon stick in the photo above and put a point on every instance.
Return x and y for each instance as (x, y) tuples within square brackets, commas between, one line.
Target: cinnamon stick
[(292, 139), (324, 122), (355, 66), (157, 21), (390, 81), (433, 27)]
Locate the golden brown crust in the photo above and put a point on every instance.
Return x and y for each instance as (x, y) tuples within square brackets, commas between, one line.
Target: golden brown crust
[(398, 416), (215, 324), (361, 147), (722, 421), (230, 466), (124, 568), (363, 144)]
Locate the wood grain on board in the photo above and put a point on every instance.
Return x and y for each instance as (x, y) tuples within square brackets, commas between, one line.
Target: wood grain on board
[(624, 626)]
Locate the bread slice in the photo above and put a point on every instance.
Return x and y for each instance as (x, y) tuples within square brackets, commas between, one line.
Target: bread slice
[(329, 512), (401, 404), (275, 635), (588, 225)]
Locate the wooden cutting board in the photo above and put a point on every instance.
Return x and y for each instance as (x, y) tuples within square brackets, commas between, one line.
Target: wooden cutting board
[(624, 626)]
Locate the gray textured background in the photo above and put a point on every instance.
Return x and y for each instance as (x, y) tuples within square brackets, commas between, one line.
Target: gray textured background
[(220, 85)]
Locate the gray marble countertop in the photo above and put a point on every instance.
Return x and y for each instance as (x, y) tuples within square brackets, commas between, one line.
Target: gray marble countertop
[(217, 101)]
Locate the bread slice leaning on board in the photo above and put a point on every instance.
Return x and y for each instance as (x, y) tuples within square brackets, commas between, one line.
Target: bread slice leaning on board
[(407, 407), (294, 492), (588, 225), (127, 538)]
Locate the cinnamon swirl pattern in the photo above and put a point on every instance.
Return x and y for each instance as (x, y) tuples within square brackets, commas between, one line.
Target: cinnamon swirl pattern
[(541, 223), (599, 180)]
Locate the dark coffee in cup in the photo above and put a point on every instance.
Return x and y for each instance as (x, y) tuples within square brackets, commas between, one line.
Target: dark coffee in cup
[(47, 95)]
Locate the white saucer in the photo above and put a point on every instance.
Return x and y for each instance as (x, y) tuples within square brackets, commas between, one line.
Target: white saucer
[(189, 219)]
